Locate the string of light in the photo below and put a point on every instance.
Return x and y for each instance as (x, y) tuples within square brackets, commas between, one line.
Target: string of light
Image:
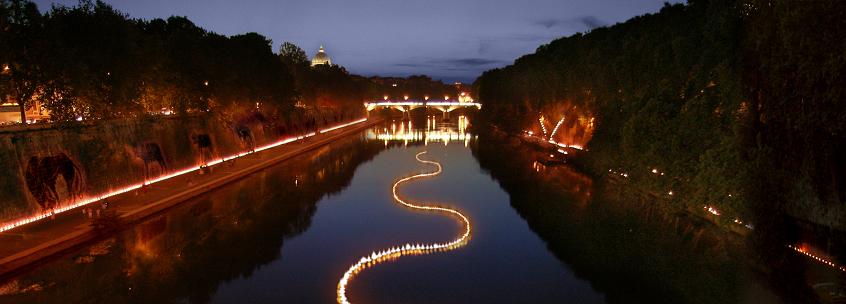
[(817, 258), (407, 249), (555, 130), (88, 200)]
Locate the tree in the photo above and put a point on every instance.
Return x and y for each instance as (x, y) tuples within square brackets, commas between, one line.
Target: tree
[(23, 67), (663, 90), (94, 63), (292, 55)]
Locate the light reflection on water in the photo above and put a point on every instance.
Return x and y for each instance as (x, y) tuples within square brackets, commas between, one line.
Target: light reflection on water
[(394, 253), (287, 233), (403, 131)]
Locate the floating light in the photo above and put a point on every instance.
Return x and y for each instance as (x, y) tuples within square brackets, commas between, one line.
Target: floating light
[(817, 258), (396, 252)]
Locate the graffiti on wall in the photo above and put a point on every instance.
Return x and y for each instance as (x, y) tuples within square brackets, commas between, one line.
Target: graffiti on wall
[(41, 176), (203, 143), (151, 154), (242, 128)]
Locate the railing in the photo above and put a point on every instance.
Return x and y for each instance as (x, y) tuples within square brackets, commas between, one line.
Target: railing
[(417, 103)]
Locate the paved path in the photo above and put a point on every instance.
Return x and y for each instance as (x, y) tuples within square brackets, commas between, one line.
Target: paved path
[(27, 245)]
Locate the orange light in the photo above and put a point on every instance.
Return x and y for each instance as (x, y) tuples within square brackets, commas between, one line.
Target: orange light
[(803, 250), (408, 249), (88, 200)]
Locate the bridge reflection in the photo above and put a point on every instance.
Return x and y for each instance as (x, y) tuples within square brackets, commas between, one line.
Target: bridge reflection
[(405, 132)]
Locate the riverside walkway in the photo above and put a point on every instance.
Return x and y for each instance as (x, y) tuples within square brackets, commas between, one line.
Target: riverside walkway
[(27, 245)]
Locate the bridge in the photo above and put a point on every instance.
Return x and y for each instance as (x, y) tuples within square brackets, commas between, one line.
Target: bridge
[(406, 106)]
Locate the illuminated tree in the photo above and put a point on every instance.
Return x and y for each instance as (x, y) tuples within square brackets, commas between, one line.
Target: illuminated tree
[(22, 53)]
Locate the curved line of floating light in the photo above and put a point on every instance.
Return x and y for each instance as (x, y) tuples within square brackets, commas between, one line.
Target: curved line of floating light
[(87, 200), (408, 249)]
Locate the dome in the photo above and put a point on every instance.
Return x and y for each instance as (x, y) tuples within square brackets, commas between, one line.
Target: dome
[(321, 57)]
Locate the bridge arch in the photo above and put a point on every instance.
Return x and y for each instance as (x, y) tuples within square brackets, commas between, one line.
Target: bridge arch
[(407, 106)]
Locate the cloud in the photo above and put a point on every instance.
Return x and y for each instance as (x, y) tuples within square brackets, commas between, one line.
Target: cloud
[(453, 64), (490, 45), (547, 23), (470, 61), (485, 45), (411, 65), (581, 22), (591, 22)]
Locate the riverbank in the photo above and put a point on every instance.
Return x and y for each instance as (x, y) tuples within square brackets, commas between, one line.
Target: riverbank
[(27, 245), (611, 237), (766, 252)]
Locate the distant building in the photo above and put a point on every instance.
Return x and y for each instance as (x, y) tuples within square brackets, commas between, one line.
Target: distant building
[(10, 112), (321, 58)]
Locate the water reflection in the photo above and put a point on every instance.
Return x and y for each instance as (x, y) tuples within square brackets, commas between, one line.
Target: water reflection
[(183, 255), (408, 249), (405, 132), (542, 232), (634, 251)]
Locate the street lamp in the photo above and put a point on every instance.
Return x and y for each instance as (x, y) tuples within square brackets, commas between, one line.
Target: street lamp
[(426, 97), (405, 97), (385, 97)]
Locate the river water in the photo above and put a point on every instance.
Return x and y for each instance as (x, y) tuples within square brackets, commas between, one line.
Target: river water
[(287, 234)]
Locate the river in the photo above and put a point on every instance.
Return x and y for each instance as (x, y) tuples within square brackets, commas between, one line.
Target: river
[(289, 233)]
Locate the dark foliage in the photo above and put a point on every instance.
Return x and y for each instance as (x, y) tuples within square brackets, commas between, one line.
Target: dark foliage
[(735, 101), (90, 62)]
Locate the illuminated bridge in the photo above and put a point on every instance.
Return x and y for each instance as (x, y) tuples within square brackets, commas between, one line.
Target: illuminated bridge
[(406, 106)]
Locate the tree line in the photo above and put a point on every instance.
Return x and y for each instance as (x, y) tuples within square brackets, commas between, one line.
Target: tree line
[(90, 62), (739, 102)]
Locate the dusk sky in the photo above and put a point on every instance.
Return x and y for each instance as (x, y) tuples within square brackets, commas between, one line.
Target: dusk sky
[(448, 40)]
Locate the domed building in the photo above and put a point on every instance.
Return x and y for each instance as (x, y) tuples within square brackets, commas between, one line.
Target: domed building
[(321, 58)]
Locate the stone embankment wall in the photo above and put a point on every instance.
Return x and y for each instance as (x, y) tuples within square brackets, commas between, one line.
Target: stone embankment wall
[(50, 166)]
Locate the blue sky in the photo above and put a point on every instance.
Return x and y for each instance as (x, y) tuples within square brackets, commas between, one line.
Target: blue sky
[(449, 40)]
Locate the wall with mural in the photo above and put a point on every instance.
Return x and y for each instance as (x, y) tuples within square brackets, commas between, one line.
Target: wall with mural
[(50, 166)]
